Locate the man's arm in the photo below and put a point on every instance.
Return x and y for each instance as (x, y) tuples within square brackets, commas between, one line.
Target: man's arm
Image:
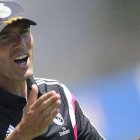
[(38, 114), (85, 130)]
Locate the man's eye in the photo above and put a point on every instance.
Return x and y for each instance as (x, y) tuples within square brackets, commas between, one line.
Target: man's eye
[(24, 31), (4, 37)]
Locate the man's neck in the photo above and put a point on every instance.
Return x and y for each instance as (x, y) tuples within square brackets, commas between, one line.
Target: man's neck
[(16, 87)]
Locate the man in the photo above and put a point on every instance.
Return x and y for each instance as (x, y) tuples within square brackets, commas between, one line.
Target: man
[(33, 108)]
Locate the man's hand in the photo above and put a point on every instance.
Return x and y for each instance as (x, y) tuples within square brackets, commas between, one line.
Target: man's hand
[(37, 116)]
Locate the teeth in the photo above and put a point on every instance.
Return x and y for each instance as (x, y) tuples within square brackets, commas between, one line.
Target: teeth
[(21, 57)]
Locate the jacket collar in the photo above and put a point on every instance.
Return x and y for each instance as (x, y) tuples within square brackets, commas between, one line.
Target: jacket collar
[(12, 101)]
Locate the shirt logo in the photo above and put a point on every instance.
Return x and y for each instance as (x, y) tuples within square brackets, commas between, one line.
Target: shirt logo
[(64, 131), (4, 11), (10, 130), (59, 119)]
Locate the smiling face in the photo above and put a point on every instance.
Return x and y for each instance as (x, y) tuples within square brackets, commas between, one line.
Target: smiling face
[(16, 52)]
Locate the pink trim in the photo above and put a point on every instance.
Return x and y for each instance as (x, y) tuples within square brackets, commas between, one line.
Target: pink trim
[(75, 131), (73, 101), (75, 127)]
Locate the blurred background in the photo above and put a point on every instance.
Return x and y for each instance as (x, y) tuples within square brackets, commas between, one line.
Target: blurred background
[(93, 47)]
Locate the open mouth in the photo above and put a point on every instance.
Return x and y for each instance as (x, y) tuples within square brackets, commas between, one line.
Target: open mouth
[(21, 60)]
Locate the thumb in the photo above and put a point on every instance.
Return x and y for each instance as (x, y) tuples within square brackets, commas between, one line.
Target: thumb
[(33, 95)]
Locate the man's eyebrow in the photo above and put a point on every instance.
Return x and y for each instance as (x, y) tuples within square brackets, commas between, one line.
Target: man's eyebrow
[(4, 32), (25, 26)]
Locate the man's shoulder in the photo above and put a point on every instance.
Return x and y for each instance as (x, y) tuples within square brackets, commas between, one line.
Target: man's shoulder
[(46, 85), (46, 81)]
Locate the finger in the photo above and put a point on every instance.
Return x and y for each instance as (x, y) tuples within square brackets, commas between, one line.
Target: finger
[(33, 95), (44, 98), (50, 101), (47, 120), (51, 116), (50, 109)]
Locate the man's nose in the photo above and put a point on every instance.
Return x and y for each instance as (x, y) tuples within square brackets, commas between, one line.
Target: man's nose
[(19, 42)]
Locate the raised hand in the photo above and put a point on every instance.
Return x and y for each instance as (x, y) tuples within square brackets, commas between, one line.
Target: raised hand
[(38, 114)]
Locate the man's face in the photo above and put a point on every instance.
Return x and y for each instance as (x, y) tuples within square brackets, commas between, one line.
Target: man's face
[(16, 52)]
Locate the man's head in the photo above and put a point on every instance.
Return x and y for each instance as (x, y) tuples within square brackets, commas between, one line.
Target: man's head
[(16, 43)]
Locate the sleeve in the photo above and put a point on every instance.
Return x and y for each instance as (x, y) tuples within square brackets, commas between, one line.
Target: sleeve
[(85, 129)]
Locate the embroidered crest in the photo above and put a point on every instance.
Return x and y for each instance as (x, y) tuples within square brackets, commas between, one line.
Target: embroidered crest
[(4, 11), (59, 119)]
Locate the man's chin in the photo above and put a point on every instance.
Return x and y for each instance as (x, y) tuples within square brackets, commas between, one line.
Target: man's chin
[(25, 76), (28, 76)]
